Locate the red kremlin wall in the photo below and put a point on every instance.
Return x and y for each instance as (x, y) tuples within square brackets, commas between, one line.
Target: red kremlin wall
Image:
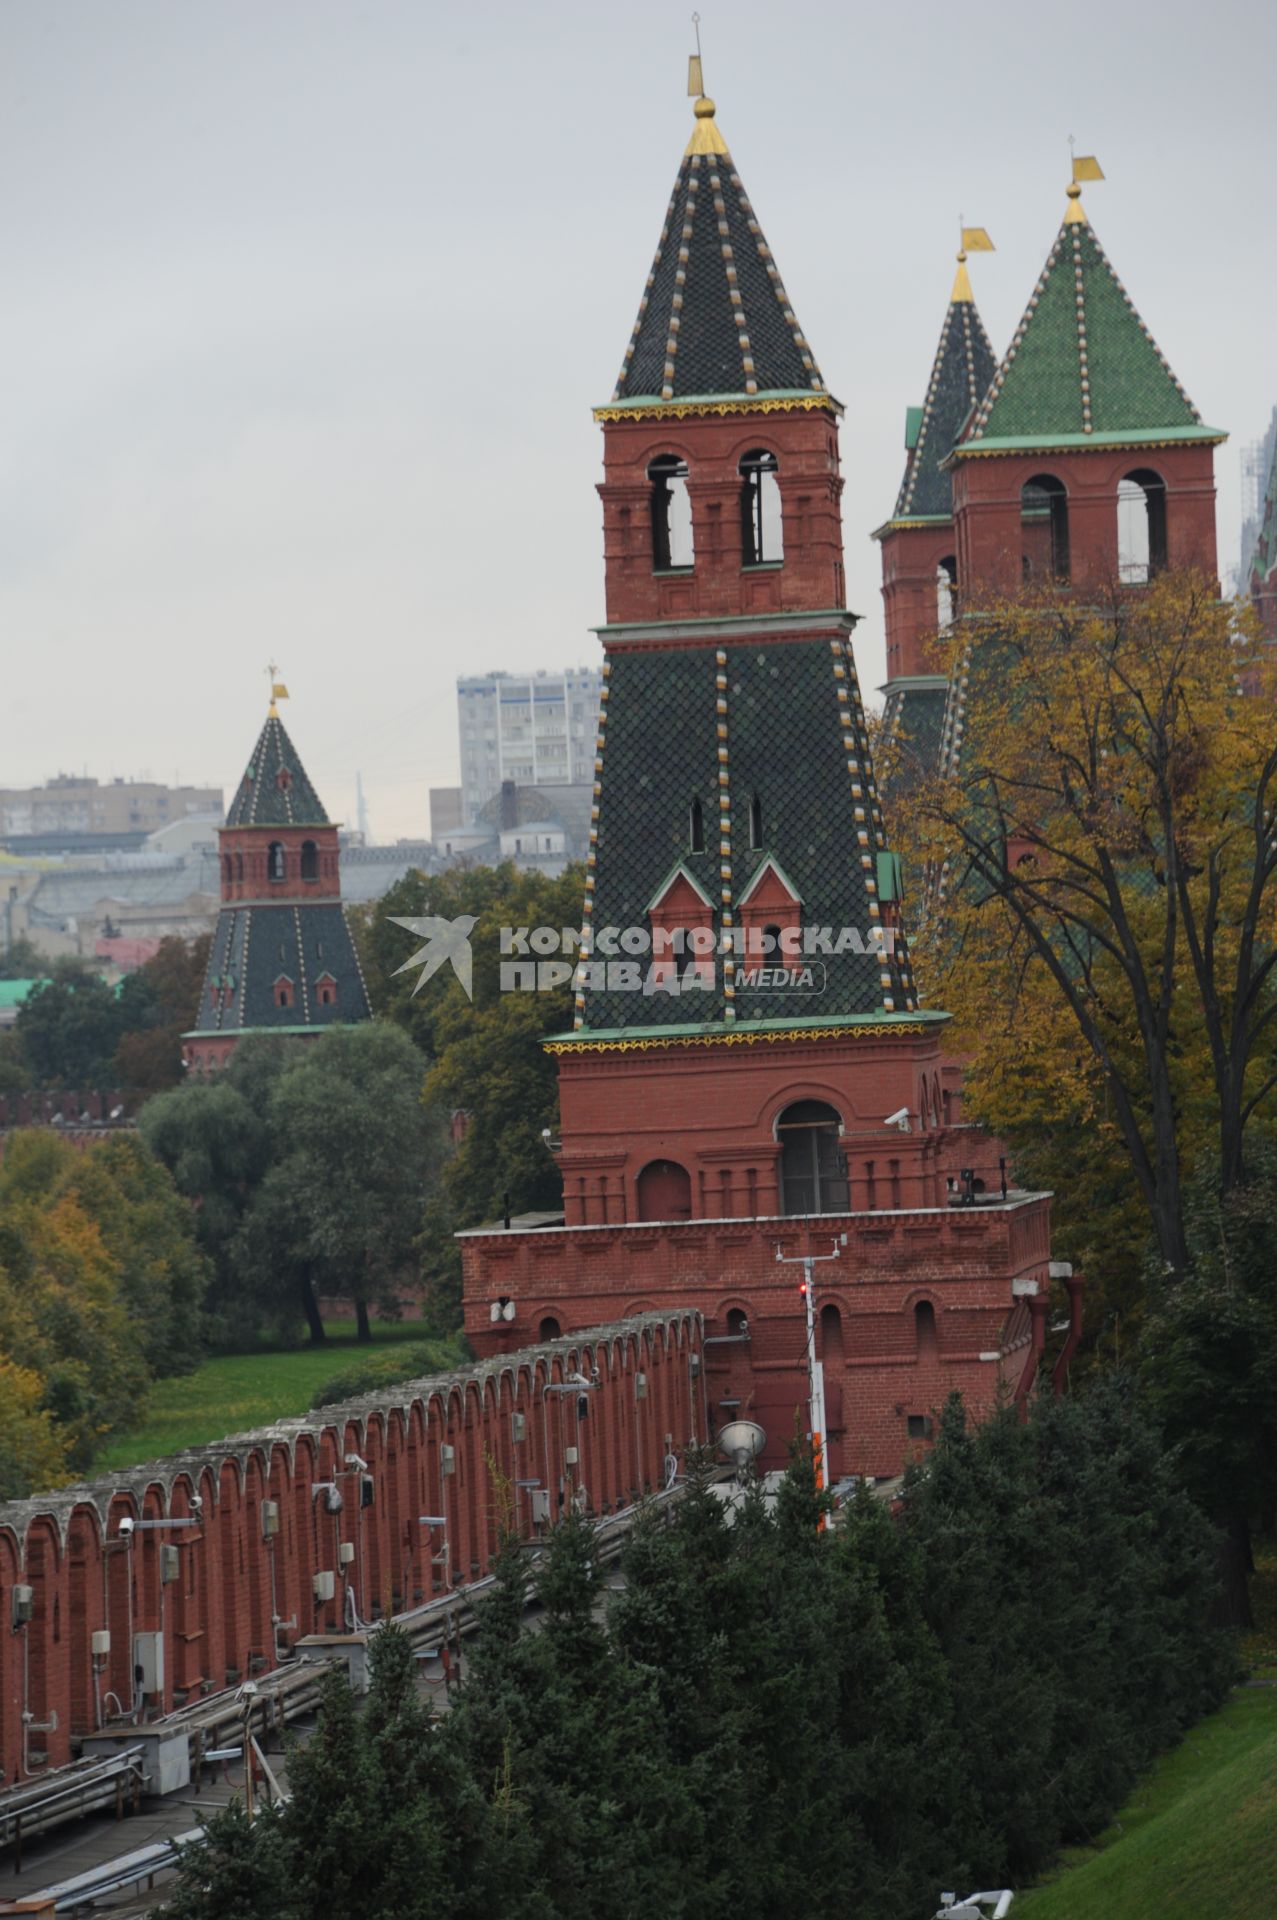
[(211, 1606)]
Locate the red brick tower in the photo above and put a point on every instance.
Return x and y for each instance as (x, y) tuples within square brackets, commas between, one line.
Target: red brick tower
[(718, 1107), (282, 958), (919, 543), (1086, 462)]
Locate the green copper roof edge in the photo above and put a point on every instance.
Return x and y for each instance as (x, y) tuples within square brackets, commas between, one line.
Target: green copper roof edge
[(746, 622), (911, 520), (633, 402), (240, 1033), (1067, 442), (928, 682), (585, 1036)]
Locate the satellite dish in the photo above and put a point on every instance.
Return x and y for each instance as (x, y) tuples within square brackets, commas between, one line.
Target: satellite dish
[(741, 1441)]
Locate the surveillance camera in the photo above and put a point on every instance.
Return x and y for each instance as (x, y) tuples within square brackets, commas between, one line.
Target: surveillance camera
[(353, 1460), (197, 1503), (900, 1118), (127, 1525), (546, 1135)]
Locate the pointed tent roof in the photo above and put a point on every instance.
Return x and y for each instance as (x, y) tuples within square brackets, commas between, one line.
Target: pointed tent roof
[(276, 789), (715, 319), (1082, 369), (960, 374)]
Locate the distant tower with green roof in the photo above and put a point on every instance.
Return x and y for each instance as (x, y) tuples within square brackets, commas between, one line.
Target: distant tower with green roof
[(1086, 463), (282, 959)]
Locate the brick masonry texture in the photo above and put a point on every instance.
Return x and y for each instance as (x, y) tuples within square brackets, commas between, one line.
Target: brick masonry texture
[(216, 1616)]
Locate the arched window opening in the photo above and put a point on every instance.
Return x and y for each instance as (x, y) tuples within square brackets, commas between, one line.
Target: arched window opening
[(276, 866), (549, 1328), (946, 592), (924, 1328), (671, 514), (1044, 528), (326, 990), (1141, 526), (762, 528), (737, 1322), (664, 1191), (227, 870), (696, 827), (239, 869), (813, 1172), (310, 860), (755, 822), (831, 1335), (283, 991)]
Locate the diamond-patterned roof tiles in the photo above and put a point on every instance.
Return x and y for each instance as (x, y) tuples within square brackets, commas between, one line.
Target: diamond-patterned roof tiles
[(715, 317), (276, 789), (960, 374), (1082, 361), (770, 739)]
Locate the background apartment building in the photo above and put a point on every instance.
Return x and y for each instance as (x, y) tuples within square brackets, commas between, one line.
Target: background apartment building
[(536, 730)]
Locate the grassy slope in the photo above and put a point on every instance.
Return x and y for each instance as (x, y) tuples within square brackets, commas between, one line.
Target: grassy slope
[(236, 1391), (1198, 1840)]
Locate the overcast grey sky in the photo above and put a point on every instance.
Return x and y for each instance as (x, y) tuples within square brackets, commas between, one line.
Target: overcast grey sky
[(306, 302)]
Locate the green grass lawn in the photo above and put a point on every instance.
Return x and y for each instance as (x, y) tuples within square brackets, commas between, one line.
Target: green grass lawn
[(236, 1391), (1198, 1840)]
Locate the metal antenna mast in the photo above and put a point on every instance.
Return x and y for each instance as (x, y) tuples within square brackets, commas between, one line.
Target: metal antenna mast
[(815, 1368)]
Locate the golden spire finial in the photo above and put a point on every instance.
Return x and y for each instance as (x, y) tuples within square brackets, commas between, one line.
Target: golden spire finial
[(705, 136), (1085, 167), (278, 691), (974, 240)]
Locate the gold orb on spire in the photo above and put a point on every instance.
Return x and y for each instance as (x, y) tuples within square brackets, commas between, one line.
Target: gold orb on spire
[(704, 108)]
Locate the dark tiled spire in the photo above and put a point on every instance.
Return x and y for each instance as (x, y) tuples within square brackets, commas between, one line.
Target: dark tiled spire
[(715, 318), (276, 789), (960, 375)]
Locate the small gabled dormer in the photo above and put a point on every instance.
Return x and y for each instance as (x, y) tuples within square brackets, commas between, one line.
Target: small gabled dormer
[(681, 916), (770, 917)]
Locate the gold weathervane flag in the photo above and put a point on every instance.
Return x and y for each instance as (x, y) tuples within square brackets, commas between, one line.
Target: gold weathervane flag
[(695, 79), (976, 240), (278, 691), (1086, 167)]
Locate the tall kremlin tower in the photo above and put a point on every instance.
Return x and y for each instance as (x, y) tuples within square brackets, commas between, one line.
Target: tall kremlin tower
[(750, 1078)]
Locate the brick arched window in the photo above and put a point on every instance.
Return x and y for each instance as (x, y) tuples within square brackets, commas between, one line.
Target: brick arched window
[(1044, 528), (664, 1191), (924, 1327), (762, 522), (283, 991), (309, 860), (276, 861), (813, 1172), (1141, 526), (672, 548), (946, 592)]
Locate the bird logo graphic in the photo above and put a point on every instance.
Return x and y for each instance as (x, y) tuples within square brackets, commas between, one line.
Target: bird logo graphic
[(445, 940)]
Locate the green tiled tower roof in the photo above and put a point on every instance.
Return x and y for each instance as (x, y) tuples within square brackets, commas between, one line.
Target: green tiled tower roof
[(770, 739), (960, 375), (1082, 369), (276, 789), (715, 319)]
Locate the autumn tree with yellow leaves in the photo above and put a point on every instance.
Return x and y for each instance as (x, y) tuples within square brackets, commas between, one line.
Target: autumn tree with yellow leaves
[(1095, 876)]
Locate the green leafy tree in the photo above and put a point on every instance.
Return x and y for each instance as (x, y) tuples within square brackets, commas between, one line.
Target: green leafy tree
[(158, 1004), (20, 960), (485, 1055), (353, 1157), (69, 1027)]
